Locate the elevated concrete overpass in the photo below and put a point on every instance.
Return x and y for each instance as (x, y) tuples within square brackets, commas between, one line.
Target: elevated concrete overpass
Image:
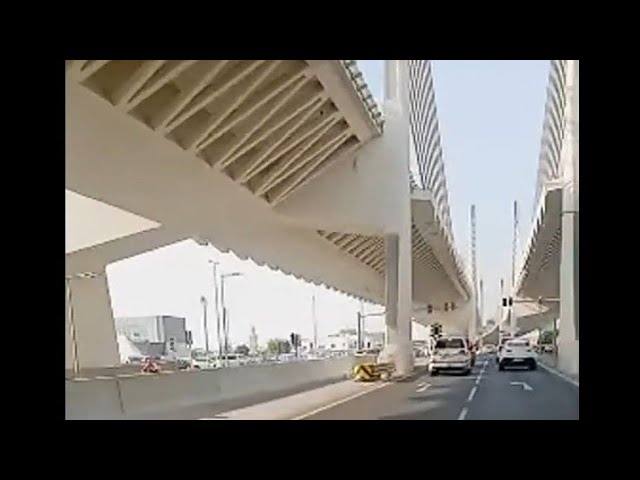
[(288, 163), (547, 281)]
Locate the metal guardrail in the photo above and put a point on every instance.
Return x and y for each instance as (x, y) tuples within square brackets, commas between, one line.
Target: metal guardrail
[(357, 77)]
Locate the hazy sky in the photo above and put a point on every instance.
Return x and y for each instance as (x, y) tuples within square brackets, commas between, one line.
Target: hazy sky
[(490, 116)]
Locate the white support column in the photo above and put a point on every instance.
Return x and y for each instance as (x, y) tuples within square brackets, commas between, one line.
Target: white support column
[(398, 300), (391, 83), (398, 255), (95, 333), (91, 340), (568, 340)]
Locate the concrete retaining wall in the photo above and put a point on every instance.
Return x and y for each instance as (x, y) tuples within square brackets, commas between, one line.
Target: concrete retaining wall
[(125, 397)]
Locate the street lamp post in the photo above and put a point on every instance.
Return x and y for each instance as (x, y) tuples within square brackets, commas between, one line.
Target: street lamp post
[(216, 304), (225, 322), (203, 301)]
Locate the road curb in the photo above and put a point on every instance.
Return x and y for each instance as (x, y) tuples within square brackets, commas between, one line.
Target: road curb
[(558, 373)]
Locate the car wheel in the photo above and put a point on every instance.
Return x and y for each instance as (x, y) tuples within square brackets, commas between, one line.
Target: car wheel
[(467, 371), (501, 367), (433, 372), (533, 366)]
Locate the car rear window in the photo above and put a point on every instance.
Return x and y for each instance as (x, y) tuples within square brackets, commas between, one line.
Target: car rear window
[(517, 343), (450, 343)]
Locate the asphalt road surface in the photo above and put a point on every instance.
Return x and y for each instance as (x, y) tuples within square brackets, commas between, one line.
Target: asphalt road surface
[(485, 394)]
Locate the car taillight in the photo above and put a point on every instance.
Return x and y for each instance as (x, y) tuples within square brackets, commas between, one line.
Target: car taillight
[(509, 350)]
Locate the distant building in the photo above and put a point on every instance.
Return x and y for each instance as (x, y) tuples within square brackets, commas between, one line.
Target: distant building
[(347, 339), (253, 341), (159, 336)]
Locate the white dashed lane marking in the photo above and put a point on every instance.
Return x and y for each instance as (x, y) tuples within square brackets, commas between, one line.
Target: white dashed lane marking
[(473, 392)]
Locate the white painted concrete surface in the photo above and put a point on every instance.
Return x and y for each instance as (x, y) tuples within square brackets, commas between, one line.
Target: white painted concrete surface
[(89, 222)]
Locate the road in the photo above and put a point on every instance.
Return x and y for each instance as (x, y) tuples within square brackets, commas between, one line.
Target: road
[(486, 394)]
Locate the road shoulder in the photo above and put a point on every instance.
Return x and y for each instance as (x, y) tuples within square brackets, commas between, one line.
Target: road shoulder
[(300, 405)]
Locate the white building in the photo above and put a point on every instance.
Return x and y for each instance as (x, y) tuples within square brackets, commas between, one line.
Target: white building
[(347, 339), (161, 335)]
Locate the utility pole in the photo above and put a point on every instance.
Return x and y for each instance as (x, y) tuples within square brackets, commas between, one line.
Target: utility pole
[(514, 252), (203, 301), (474, 273), (216, 304), (314, 320), (481, 302), (225, 314)]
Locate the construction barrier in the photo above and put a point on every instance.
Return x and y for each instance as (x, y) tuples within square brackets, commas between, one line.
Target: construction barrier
[(370, 372)]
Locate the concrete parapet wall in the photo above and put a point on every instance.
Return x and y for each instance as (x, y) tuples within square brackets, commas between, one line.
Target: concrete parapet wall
[(128, 397), (93, 400)]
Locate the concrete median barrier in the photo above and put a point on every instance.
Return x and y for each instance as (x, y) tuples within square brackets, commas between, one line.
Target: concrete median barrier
[(93, 400), (140, 395)]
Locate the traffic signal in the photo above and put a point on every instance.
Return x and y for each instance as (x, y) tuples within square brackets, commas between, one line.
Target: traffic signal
[(295, 339), (507, 301), (453, 306), (429, 309), (436, 330), (511, 301)]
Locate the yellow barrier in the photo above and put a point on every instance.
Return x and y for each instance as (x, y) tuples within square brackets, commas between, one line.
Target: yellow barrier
[(369, 372)]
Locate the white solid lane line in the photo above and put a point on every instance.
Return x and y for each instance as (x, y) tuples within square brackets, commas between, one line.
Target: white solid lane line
[(463, 413), (339, 402), (478, 380), (473, 392), (422, 387)]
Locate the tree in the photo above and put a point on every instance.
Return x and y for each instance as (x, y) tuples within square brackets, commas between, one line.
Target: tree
[(242, 350), (277, 346), (546, 337)]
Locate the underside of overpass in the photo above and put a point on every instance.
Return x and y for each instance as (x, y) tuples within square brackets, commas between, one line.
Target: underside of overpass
[(228, 151)]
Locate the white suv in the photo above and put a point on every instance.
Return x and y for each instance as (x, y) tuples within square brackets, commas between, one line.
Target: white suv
[(517, 353), (450, 353)]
